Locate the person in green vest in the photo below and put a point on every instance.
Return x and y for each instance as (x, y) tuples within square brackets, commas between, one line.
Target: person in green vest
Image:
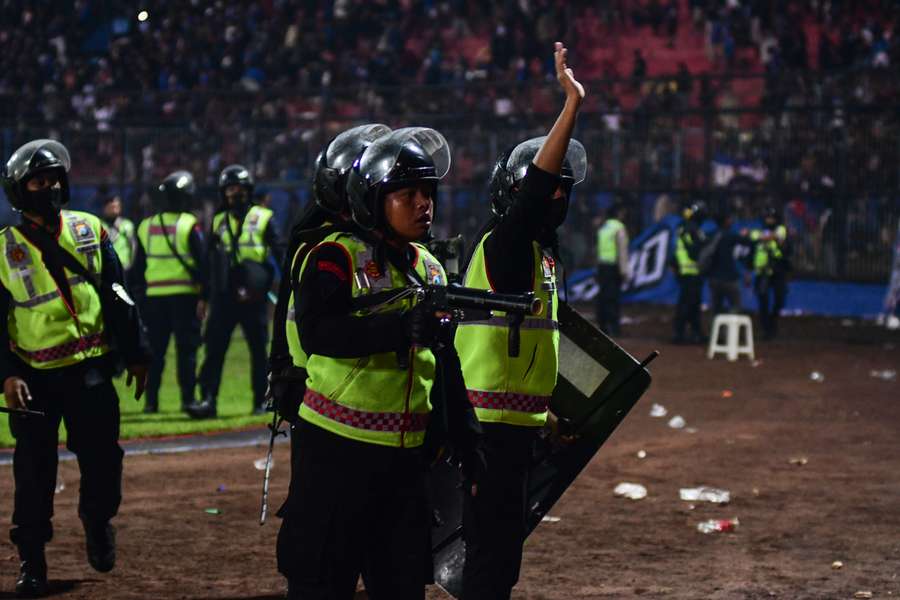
[(244, 249), (771, 266), (612, 269), (169, 279), (121, 230), (510, 370), (68, 323), (689, 241), (358, 502)]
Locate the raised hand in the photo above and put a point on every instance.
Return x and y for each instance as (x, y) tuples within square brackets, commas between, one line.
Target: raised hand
[(573, 89)]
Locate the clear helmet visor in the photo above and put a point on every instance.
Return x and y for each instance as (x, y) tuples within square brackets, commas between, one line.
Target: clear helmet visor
[(380, 158), (523, 155), (345, 148), (19, 165)]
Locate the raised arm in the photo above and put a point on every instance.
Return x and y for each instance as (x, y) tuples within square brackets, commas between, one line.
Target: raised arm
[(551, 155)]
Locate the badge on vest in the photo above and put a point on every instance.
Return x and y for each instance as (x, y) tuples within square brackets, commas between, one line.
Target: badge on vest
[(549, 268), (18, 256)]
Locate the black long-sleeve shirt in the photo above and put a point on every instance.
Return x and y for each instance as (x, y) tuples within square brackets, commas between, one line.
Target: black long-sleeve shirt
[(130, 334), (137, 278), (508, 251)]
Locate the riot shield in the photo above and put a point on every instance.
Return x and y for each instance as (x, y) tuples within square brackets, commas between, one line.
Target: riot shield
[(598, 385)]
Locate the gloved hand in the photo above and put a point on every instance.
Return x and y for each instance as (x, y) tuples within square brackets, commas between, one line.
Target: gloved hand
[(473, 463), (420, 325), (285, 392)]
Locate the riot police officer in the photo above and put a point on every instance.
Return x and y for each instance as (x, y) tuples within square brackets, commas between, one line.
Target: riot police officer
[(169, 275), (612, 269), (121, 230), (510, 369), (357, 501), (70, 322), (771, 265), (689, 241), (242, 242)]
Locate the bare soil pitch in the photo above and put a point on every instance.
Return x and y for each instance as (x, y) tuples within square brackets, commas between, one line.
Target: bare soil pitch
[(843, 504)]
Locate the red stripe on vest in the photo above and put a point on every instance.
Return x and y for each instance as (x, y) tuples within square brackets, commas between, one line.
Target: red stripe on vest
[(359, 419), (509, 401), (63, 350)]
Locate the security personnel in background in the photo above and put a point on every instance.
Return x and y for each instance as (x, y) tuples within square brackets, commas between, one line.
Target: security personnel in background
[(358, 501), (771, 266), (121, 231), (689, 241), (242, 243), (510, 370), (327, 213), (69, 321), (168, 276), (612, 269)]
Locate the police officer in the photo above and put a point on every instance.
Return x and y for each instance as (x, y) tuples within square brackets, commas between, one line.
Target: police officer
[(689, 240), (62, 294), (510, 370), (612, 269), (771, 266), (121, 231), (169, 277), (242, 241), (358, 501)]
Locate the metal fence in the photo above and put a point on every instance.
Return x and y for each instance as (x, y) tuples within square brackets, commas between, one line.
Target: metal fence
[(832, 167)]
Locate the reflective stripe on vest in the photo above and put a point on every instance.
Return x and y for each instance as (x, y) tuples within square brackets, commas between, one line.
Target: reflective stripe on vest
[(607, 248), (370, 399), (686, 264), (45, 330), (768, 251), (511, 389), (250, 242), (165, 275)]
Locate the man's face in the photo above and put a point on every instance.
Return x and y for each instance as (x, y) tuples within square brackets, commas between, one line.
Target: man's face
[(43, 181), (409, 211), (235, 195), (113, 208)]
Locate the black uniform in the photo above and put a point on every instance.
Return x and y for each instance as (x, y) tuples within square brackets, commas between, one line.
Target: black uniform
[(494, 525), (166, 315), (227, 310), (82, 395)]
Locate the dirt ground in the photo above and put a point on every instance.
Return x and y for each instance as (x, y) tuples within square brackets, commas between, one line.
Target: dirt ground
[(812, 467)]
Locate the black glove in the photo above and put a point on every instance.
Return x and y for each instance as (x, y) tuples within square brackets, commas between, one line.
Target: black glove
[(285, 392), (420, 325), (474, 466)]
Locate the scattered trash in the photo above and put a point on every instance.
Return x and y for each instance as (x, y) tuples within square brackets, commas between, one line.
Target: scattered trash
[(632, 491), (658, 410), (549, 519), (691, 430), (221, 487), (886, 375), (260, 463), (718, 525), (847, 323), (837, 565), (213, 511), (677, 422), (727, 393), (755, 491), (817, 377), (755, 363), (642, 454), (705, 494), (60, 484), (798, 460), (863, 594)]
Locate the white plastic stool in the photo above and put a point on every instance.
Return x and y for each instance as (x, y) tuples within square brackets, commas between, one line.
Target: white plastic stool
[(732, 346)]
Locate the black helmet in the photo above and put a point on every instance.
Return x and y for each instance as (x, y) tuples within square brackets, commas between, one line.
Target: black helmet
[(178, 190), (335, 161), (512, 165), (32, 158), (236, 175), (406, 157), (696, 212)]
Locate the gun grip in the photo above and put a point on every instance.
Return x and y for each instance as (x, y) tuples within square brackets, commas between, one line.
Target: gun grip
[(513, 338)]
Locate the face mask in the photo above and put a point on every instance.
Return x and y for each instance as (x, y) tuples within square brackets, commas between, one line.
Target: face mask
[(46, 203)]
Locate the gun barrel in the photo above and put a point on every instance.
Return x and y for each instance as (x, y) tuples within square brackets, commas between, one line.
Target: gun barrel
[(475, 299)]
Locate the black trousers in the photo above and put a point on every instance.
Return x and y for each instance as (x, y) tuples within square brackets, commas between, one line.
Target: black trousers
[(354, 508), (494, 526), (87, 403), (771, 293), (609, 298), (724, 292), (687, 311), (166, 315), (225, 314)]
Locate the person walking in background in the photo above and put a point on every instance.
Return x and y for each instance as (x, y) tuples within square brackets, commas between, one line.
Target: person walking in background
[(168, 278), (612, 269), (689, 242), (771, 265), (120, 230)]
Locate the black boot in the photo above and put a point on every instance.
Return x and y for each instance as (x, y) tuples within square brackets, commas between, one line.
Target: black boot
[(206, 409), (151, 405), (32, 581), (100, 541)]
